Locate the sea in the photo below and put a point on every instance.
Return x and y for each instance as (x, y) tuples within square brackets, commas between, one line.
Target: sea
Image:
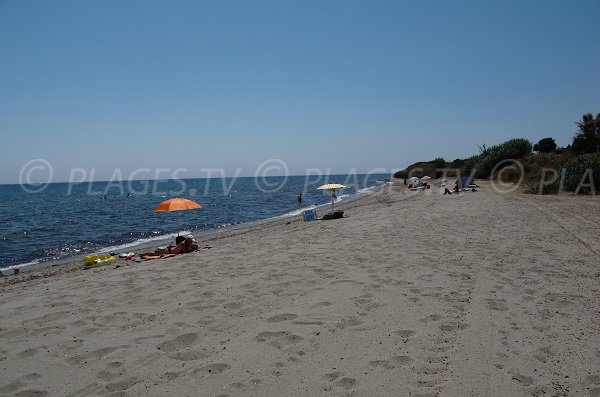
[(61, 222)]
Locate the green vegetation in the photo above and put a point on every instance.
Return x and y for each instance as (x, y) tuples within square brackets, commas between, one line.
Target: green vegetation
[(439, 163), (482, 165), (581, 171), (552, 170), (545, 145), (587, 140)]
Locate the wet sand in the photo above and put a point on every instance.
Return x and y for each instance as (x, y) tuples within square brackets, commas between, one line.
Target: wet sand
[(474, 294)]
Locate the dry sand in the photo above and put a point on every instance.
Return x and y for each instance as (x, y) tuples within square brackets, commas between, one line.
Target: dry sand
[(476, 294)]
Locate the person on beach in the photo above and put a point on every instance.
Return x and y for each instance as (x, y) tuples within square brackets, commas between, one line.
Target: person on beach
[(183, 245)]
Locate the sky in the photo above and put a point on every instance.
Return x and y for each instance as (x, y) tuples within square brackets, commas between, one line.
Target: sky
[(101, 90)]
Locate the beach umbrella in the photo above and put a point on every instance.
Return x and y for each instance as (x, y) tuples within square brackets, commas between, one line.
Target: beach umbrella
[(413, 180), (176, 204), (332, 187)]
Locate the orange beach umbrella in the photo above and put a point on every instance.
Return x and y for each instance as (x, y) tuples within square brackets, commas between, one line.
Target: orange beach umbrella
[(176, 204)]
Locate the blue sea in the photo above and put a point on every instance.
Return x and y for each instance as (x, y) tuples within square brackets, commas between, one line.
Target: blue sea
[(63, 221)]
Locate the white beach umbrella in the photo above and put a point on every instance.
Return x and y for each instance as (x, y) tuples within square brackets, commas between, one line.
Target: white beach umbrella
[(413, 180), (332, 187)]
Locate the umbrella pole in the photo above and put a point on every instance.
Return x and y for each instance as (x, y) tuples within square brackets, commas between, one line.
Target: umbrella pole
[(332, 200)]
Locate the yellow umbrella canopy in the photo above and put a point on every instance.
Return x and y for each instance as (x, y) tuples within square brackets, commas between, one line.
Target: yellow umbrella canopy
[(332, 187)]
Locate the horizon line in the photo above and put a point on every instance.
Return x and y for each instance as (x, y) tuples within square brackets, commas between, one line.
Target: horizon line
[(185, 179)]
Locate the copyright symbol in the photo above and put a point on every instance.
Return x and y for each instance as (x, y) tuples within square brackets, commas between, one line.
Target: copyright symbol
[(509, 165), (40, 167), (274, 167)]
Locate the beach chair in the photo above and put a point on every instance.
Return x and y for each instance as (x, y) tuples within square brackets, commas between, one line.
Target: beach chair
[(309, 215)]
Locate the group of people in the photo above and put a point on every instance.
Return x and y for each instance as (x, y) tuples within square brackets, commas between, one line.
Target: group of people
[(457, 189)]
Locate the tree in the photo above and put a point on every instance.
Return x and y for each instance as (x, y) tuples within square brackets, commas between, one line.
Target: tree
[(587, 140), (439, 163), (545, 145)]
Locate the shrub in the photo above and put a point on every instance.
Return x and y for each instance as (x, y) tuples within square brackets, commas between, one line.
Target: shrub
[(574, 172), (483, 164), (576, 169), (587, 139), (439, 163), (545, 145), (551, 188)]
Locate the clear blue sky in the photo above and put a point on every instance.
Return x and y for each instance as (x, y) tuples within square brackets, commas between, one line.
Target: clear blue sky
[(319, 84)]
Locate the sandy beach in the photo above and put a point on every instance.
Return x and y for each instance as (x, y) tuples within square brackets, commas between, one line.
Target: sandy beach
[(471, 294)]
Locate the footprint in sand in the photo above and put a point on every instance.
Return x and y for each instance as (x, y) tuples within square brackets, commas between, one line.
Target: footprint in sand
[(396, 361), (32, 376), (282, 317), (333, 376), (237, 385), (431, 369), (346, 383), (321, 304), (348, 322), (233, 305), (340, 380), (180, 342), (28, 352), (188, 355), (264, 336), (285, 341), (543, 354), (345, 281), (435, 359), (170, 376), (429, 383), (112, 371), (211, 369), (405, 333), (123, 385), (279, 339), (430, 318), (453, 326), (497, 304), (94, 355), (32, 393), (524, 380), (308, 322)]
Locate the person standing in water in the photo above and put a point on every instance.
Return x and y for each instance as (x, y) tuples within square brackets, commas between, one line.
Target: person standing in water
[(300, 199)]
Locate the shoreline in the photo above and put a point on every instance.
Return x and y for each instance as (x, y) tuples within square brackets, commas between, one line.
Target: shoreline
[(164, 240), (75, 263)]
